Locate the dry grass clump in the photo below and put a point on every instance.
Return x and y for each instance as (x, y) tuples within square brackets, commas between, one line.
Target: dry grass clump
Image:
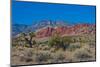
[(43, 47), (74, 46), (42, 56), (27, 57), (58, 56), (22, 55), (92, 44), (83, 55)]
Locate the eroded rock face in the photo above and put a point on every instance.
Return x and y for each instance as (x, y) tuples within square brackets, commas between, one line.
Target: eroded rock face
[(46, 32), (64, 30)]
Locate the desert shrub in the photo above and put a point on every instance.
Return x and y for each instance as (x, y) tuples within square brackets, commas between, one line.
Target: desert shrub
[(73, 47), (68, 39), (14, 44), (82, 55), (30, 53), (29, 59), (58, 42), (42, 57), (26, 56), (58, 57), (25, 59), (22, 57), (39, 43), (74, 39), (29, 56), (28, 38), (83, 39), (54, 41), (33, 42), (42, 43), (92, 44), (46, 47), (45, 42), (26, 45)]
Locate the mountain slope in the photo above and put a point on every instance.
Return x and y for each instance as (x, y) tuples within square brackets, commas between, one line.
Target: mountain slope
[(19, 28), (78, 29)]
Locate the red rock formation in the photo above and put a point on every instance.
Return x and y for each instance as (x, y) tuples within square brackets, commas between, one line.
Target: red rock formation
[(72, 30), (46, 32)]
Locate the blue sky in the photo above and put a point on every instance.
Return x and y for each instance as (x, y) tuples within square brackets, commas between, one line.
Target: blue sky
[(32, 12)]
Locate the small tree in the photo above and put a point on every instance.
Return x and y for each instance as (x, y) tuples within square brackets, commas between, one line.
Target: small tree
[(54, 41), (58, 42), (28, 40)]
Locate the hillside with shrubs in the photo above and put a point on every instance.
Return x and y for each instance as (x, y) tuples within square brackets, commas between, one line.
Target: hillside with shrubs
[(55, 44)]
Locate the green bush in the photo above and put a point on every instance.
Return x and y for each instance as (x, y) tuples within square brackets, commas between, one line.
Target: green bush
[(33, 42), (73, 47), (58, 42), (68, 39)]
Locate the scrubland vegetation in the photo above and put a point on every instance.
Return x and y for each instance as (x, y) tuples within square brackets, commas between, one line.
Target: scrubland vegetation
[(27, 50)]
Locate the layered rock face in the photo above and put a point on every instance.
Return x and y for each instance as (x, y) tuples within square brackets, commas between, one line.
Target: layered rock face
[(78, 29), (47, 28)]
